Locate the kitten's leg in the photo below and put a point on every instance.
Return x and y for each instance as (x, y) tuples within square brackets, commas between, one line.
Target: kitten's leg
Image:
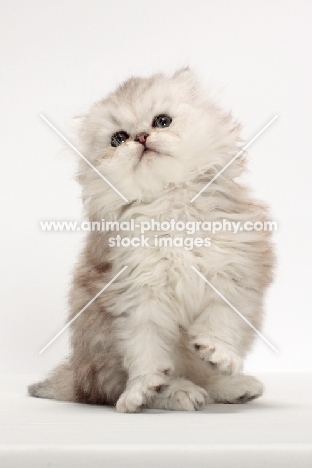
[(146, 340), (221, 337), (180, 395), (221, 388)]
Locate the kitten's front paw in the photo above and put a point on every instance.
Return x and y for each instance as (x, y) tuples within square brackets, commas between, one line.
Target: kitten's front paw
[(139, 392), (213, 350), (182, 395)]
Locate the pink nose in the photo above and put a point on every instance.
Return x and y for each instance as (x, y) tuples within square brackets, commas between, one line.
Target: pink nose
[(141, 138)]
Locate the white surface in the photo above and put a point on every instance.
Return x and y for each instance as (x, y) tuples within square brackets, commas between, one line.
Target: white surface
[(273, 432), (58, 57)]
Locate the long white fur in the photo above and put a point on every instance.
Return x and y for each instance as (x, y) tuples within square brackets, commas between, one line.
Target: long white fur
[(172, 330)]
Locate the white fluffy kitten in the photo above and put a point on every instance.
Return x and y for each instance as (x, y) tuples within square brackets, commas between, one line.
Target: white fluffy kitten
[(159, 336)]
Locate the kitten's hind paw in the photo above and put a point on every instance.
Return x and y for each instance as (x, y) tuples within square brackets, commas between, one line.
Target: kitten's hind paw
[(238, 388)]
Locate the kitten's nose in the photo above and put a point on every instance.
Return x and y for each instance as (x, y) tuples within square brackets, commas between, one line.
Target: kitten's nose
[(141, 137)]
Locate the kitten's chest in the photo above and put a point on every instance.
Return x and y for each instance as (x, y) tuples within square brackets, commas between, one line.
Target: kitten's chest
[(166, 274), (161, 251)]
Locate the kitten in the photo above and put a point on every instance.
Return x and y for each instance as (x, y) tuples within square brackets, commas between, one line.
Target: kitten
[(159, 336)]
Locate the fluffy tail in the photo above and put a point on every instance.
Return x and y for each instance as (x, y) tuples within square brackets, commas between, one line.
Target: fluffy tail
[(58, 386)]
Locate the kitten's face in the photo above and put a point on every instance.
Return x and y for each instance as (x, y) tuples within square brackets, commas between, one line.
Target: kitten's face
[(150, 134)]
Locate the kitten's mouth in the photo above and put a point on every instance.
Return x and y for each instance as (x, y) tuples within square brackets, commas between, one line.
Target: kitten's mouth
[(147, 151)]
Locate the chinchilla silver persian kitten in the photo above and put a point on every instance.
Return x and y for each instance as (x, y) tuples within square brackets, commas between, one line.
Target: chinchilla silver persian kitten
[(159, 336)]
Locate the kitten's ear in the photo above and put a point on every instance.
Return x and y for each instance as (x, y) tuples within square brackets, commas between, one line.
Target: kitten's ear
[(186, 75), (186, 78), (77, 124), (184, 72), (77, 128)]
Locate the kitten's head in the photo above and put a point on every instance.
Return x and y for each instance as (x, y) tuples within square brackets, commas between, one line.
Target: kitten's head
[(150, 135)]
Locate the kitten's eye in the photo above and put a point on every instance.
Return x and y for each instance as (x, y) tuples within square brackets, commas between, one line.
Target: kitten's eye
[(162, 121), (118, 138)]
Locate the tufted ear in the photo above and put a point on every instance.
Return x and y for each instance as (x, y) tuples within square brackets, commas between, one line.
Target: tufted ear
[(183, 73), (186, 79), (76, 126), (77, 123)]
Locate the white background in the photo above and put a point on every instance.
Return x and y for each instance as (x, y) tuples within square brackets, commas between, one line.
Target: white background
[(58, 57)]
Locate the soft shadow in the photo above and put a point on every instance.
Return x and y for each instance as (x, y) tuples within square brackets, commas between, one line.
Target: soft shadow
[(219, 408)]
